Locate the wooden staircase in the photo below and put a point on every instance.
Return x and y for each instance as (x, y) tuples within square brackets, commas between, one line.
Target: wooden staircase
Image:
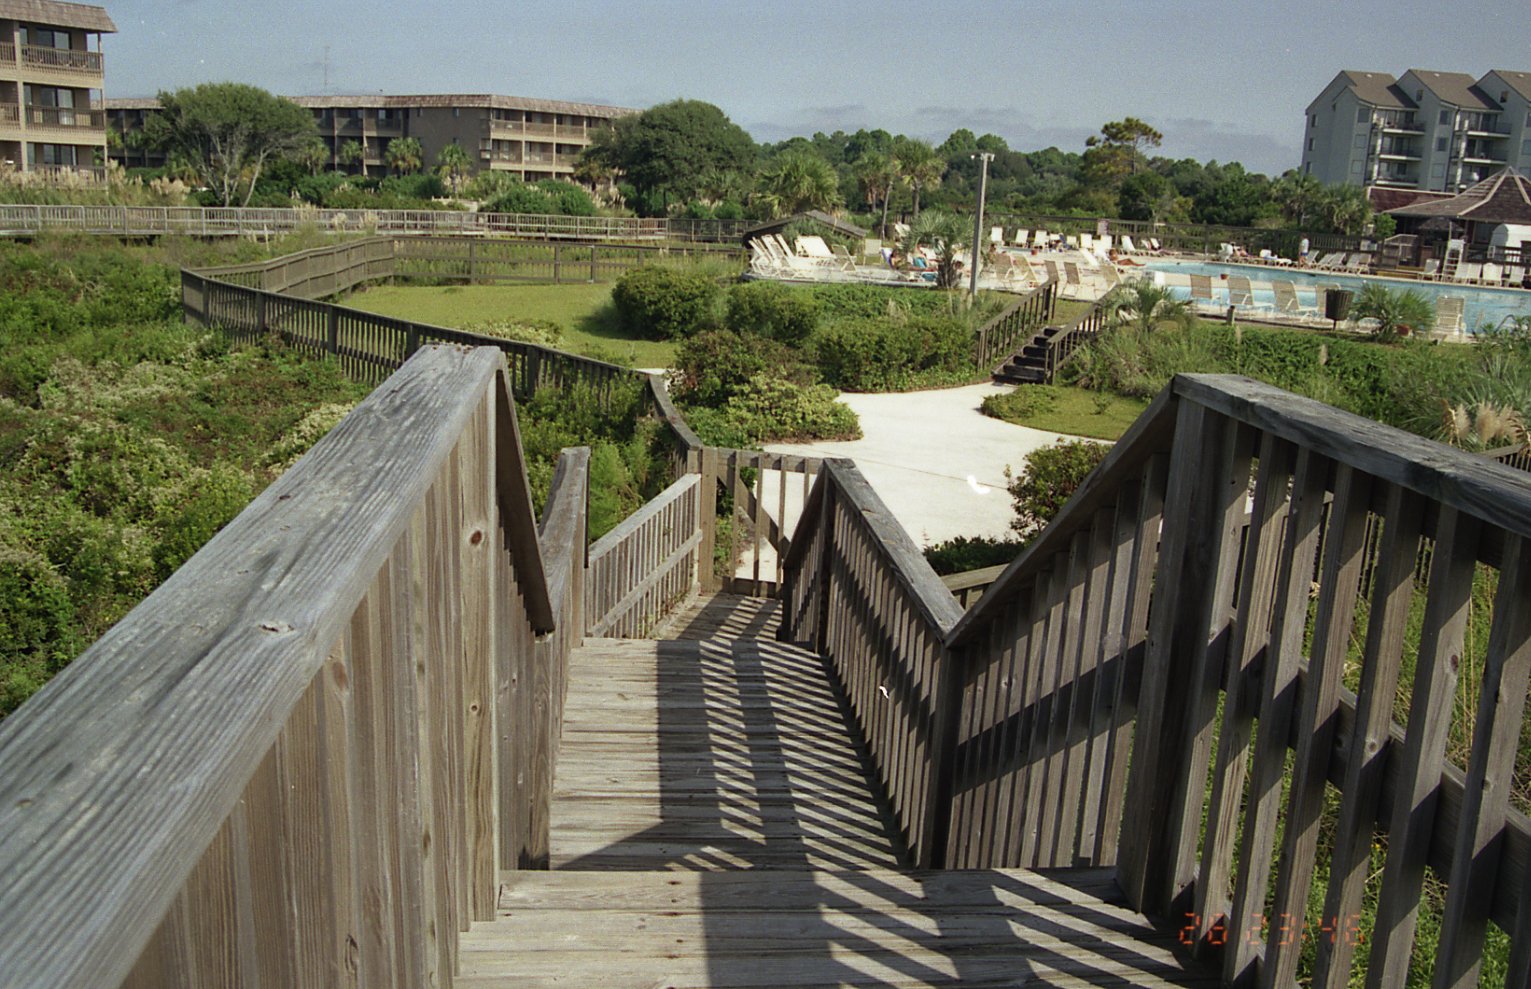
[(714, 824), (1028, 365)]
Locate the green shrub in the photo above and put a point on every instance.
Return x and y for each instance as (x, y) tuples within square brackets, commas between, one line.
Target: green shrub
[(1052, 475), (770, 309), (665, 303), (422, 185), (712, 367), (543, 332), (770, 408), (193, 511), (520, 198), (566, 198), (1022, 403), (870, 354), (37, 633), (964, 553)]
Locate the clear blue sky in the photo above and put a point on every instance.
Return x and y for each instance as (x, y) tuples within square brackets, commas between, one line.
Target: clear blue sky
[(1221, 80)]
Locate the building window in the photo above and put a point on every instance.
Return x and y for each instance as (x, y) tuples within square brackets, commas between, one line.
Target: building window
[(1525, 146), (1360, 140), (44, 37), (1310, 144), (457, 111), (1419, 94), (1504, 96), (1445, 117), (1363, 115), (1307, 166), (1313, 120), (1440, 144)]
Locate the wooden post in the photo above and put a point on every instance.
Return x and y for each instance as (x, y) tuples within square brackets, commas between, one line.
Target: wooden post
[(826, 561), (706, 572), (332, 328), (557, 262)]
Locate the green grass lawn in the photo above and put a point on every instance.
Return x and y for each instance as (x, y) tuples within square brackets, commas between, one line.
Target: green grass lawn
[(584, 312), (1061, 409)]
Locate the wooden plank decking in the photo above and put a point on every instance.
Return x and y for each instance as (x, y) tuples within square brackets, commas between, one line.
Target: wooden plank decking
[(713, 824)]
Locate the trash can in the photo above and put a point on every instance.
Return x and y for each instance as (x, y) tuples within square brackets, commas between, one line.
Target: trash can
[(1337, 304)]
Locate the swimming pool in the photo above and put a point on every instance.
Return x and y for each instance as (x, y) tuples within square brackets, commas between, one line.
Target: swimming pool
[(1480, 305)]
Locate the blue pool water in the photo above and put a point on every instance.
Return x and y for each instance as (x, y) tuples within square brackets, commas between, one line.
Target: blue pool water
[(1480, 305)]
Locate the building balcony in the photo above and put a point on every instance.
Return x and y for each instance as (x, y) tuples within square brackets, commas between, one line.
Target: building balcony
[(1408, 130), (10, 115), (61, 60), (507, 157), (515, 128), (1401, 181), (7, 53), (65, 118), (1398, 156), (1472, 158), (1487, 134)]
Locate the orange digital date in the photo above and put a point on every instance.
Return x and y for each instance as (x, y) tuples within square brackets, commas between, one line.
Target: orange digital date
[(1282, 929)]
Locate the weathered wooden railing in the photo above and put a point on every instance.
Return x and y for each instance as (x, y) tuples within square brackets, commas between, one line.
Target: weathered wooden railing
[(860, 592), (767, 493), (967, 587), (1061, 345), (997, 339), (198, 221), (300, 760), (651, 561), (1163, 682)]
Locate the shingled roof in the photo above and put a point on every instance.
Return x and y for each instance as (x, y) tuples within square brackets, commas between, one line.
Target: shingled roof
[(1378, 89), (80, 15), (1456, 89), (1501, 198)]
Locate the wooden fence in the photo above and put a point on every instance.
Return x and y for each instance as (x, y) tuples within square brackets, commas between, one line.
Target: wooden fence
[(195, 221), (296, 784), (651, 561), (1192, 676), (997, 339)]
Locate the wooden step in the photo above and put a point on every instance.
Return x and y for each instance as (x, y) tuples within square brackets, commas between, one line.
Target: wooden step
[(708, 755), (885, 928)]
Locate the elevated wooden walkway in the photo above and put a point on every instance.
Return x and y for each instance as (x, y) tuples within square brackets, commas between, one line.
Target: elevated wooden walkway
[(732, 758)]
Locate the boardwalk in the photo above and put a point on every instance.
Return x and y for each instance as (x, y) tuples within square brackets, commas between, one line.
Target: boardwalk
[(713, 825)]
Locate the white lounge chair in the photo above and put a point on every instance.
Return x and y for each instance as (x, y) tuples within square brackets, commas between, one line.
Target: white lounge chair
[(1127, 244), (1087, 243), (996, 235), (1286, 296), (1470, 273), (1039, 239), (1020, 237), (1493, 274), (1105, 243)]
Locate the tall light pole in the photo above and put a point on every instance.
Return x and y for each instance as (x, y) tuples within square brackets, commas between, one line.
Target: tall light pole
[(983, 188)]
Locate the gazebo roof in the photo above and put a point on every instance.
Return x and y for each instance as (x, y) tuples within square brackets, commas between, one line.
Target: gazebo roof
[(834, 223), (1501, 198)]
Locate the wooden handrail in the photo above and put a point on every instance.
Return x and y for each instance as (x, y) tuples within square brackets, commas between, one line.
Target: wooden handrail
[(333, 592)]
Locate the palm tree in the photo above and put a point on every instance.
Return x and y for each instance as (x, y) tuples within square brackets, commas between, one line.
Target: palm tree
[(920, 165), (944, 233), (404, 155), (798, 181), (1396, 313), (454, 164), (1144, 307), (349, 153), (878, 174), (312, 156)]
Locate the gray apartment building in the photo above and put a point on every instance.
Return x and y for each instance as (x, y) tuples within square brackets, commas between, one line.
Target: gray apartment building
[(51, 85), (1436, 131), (530, 138)]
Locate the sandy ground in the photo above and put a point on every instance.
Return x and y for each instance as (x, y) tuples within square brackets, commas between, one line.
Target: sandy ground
[(935, 460)]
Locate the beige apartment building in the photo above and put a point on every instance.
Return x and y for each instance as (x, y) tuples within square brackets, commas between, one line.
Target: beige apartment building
[(1425, 130), (531, 138), (51, 85)]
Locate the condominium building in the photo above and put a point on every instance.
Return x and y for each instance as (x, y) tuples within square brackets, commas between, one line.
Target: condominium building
[(51, 84), (533, 139), (1437, 131)]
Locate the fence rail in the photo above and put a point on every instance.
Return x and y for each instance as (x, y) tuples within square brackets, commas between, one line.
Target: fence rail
[(1193, 672), (236, 221), (308, 718), (1059, 347), (997, 339), (648, 563)]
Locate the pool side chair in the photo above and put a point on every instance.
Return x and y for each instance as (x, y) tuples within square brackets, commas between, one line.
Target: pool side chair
[(1240, 291), (1039, 239), (1020, 237), (1493, 274), (1470, 273), (1127, 244), (1286, 296), (996, 235)]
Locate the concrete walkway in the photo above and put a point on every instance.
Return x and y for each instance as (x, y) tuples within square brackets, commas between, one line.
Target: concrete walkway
[(937, 462)]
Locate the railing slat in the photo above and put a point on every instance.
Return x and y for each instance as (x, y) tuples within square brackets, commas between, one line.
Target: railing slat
[(1412, 818)]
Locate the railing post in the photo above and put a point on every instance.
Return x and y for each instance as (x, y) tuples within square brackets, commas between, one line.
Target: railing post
[(557, 262), (707, 576), (947, 703), (826, 562), (332, 328)]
